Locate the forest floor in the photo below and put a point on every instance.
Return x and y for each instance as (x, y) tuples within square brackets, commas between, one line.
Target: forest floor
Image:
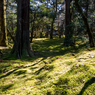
[(55, 70)]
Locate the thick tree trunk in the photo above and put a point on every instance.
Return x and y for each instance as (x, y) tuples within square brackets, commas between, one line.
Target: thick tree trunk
[(21, 46), (3, 23), (91, 41), (94, 19), (94, 4), (68, 41), (1, 36)]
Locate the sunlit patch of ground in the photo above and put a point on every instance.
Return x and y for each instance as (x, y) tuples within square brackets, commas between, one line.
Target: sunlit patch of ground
[(57, 71)]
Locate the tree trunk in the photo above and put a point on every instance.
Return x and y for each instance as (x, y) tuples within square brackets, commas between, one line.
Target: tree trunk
[(51, 32), (91, 41), (41, 32), (32, 30), (31, 39), (53, 19), (3, 23), (11, 35), (87, 5), (68, 41), (1, 36), (21, 46), (94, 19), (59, 31), (32, 25)]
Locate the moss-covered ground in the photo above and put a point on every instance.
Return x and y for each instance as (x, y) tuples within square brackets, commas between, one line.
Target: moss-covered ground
[(55, 70)]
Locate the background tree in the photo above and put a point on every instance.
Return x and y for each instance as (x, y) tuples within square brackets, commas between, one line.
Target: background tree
[(91, 41), (11, 19), (48, 17)]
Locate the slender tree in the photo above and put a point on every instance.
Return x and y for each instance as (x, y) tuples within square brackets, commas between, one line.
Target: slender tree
[(3, 23), (22, 45), (91, 41), (53, 18), (68, 41), (32, 27)]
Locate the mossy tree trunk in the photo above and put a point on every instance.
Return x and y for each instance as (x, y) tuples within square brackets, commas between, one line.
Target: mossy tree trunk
[(68, 41), (91, 41), (3, 29), (21, 46)]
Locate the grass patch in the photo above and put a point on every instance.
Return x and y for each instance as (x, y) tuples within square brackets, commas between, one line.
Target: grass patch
[(56, 70)]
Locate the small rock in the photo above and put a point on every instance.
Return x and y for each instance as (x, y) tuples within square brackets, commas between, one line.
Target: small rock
[(77, 65), (80, 59), (91, 55), (82, 64), (31, 86)]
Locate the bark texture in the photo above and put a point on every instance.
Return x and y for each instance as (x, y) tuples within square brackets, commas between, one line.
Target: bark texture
[(3, 29), (22, 45), (68, 41)]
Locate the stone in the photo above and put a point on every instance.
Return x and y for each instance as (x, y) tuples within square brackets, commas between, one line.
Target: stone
[(91, 55)]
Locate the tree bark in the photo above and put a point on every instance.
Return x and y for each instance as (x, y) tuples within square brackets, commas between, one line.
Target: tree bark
[(21, 46), (94, 4), (3, 23), (91, 41), (68, 41), (53, 19), (87, 5)]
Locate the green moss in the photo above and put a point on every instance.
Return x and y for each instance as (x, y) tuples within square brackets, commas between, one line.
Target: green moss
[(54, 71)]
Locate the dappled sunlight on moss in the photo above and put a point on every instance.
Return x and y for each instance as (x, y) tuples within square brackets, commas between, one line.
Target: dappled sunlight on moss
[(56, 70), (20, 72), (7, 87)]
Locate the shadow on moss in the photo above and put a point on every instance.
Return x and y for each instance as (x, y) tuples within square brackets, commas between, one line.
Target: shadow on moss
[(7, 87), (88, 83)]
